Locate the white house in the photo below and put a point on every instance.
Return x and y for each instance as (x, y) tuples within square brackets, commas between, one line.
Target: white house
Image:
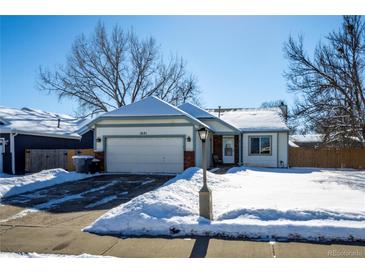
[(154, 136)]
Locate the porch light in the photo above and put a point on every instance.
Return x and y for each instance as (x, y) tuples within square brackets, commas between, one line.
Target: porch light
[(188, 139), (203, 134), (98, 140)]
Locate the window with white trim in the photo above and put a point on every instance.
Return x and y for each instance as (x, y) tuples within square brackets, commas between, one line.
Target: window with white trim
[(260, 145)]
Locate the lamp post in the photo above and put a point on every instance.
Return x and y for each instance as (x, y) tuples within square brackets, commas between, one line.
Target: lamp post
[(205, 194)]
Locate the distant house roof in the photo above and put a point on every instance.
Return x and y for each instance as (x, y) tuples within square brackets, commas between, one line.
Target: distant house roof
[(253, 119), (38, 122), (150, 107), (308, 138)]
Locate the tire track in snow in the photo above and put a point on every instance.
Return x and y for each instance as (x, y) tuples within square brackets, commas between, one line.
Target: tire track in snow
[(52, 203)]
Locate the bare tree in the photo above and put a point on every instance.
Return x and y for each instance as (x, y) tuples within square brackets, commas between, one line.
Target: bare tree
[(330, 85), (105, 72)]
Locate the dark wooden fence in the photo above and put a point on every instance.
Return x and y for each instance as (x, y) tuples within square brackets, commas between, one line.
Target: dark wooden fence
[(327, 157), (40, 159)]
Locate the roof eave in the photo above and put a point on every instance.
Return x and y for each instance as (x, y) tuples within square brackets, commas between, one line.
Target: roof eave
[(141, 117), (263, 130), (9, 131)]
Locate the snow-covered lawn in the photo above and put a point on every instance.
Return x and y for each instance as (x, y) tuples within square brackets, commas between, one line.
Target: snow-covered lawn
[(14, 185), (268, 204)]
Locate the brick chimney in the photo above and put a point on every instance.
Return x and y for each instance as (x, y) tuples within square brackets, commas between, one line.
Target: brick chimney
[(284, 110)]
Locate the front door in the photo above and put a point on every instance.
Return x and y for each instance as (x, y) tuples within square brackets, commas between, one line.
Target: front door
[(228, 150)]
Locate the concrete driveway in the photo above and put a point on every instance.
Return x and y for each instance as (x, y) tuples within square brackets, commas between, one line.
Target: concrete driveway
[(50, 221)]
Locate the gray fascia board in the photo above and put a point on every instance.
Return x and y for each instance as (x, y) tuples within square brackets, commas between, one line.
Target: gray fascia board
[(50, 135), (194, 121), (147, 125), (226, 133), (265, 131)]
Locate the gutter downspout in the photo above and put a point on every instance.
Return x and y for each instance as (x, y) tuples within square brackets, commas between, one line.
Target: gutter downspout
[(240, 149), (277, 149), (12, 151), (287, 150)]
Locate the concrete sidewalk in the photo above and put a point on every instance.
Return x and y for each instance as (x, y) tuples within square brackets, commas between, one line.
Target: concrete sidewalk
[(60, 233)]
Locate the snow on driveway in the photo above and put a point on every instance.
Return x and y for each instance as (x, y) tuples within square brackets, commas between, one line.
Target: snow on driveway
[(259, 203), (15, 185), (55, 202)]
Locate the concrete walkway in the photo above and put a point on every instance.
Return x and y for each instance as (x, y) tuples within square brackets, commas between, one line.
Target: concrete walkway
[(60, 233)]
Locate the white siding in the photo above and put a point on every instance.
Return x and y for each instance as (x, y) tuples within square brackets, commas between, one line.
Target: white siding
[(283, 148), (279, 146), (260, 160), (148, 121)]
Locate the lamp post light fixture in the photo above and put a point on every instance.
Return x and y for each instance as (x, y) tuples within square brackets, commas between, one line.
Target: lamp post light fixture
[(205, 194)]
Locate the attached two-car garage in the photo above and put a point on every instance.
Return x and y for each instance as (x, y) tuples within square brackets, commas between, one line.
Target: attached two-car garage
[(145, 154)]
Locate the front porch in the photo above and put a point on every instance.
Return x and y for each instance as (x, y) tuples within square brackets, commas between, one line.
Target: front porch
[(225, 150)]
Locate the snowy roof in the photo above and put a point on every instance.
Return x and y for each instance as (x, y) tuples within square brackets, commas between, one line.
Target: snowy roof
[(196, 111), (150, 107), (308, 138), (200, 113), (253, 119), (38, 122)]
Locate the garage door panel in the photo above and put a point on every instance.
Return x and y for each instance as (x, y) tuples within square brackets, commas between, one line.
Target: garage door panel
[(145, 154)]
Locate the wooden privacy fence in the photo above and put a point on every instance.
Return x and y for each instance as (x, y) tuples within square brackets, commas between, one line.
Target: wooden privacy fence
[(40, 159), (327, 157)]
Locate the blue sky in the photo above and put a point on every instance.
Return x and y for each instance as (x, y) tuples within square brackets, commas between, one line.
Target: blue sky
[(238, 60)]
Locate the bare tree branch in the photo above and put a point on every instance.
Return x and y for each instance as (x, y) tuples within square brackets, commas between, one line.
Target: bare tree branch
[(105, 72), (331, 84)]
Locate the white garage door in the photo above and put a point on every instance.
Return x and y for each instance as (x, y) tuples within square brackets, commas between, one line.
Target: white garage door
[(147, 154)]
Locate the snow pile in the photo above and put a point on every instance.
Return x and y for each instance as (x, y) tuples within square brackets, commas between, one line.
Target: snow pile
[(258, 203), (37, 255), (21, 184), (254, 119)]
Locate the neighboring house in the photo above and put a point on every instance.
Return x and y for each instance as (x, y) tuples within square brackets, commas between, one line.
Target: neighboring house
[(154, 136), (25, 128), (317, 141), (308, 140)]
